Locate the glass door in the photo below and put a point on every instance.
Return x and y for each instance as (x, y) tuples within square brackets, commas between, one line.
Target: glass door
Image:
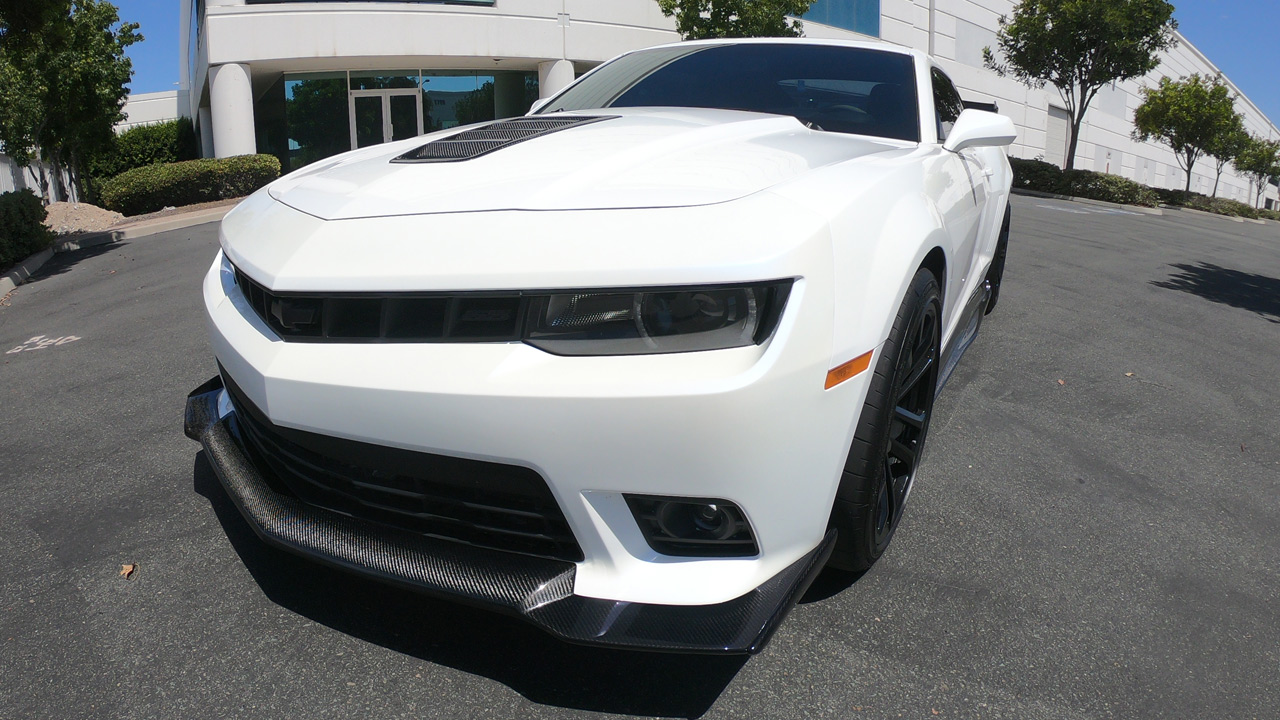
[(379, 116)]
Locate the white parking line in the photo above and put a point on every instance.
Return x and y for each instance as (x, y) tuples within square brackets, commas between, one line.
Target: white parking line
[(41, 342), (1082, 210)]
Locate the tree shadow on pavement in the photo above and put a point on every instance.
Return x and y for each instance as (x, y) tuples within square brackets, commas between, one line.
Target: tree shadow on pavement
[(1256, 293), (529, 661), (65, 262)]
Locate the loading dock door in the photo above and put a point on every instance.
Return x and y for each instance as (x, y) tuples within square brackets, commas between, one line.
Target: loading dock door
[(1059, 133)]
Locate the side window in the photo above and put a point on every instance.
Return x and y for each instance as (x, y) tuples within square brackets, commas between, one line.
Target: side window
[(946, 103)]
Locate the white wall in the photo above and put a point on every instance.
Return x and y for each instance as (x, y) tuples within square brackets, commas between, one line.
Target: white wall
[(961, 28), (145, 108), (353, 35), (13, 177)]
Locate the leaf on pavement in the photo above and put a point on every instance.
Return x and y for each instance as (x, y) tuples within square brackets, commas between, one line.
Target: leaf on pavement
[(1062, 382), (1128, 374), (127, 570)]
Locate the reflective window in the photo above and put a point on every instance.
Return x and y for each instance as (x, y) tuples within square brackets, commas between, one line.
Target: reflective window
[(947, 104), (305, 117), (382, 79), (861, 16), (838, 89), (316, 116)]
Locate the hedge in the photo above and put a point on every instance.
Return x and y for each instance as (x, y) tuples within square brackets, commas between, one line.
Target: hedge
[(22, 228), (154, 144), (1104, 186), (1270, 214), (1044, 177), (1204, 203), (155, 187), (1036, 175)]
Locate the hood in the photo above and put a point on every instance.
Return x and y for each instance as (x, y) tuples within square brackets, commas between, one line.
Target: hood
[(631, 158)]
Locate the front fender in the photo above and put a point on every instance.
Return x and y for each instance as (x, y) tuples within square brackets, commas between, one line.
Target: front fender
[(875, 262)]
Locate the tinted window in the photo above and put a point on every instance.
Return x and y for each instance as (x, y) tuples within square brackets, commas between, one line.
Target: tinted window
[(946, 104), (849, 90)]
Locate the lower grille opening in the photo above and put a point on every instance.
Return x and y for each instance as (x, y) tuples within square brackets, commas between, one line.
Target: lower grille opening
[(492, 505)]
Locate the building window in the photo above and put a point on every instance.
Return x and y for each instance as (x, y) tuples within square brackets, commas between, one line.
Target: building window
[(860, 16), (316, 117), (306, 117)]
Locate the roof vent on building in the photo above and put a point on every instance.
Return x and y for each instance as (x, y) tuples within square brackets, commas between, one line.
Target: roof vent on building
[(479, 141)]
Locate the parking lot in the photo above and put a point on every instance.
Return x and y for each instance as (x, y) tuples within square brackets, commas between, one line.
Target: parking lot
[(1095, 532)]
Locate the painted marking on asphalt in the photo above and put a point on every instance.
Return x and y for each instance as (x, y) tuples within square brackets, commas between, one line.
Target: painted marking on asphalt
[(41, 342), (1089, 210)]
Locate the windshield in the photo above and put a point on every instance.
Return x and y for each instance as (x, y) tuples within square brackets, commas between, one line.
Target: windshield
[(838, 89)]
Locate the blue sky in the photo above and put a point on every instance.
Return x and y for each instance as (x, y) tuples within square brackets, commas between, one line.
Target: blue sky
[(1237, 35)]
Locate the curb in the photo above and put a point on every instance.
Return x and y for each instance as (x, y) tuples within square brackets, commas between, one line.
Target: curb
[(20, 273), (1232, 218), (1087, 201)]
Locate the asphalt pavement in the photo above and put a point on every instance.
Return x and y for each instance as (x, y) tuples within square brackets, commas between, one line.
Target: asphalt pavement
[(1093, 534)]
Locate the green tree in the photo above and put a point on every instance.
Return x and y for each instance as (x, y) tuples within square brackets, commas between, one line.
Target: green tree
[(24, 19), (1188, 115), (700, 19), (1079, 46), (64, 88), (1260, 162), (1225, 146)]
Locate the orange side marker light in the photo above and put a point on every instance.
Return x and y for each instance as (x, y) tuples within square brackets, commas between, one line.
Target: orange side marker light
[(851, 369)]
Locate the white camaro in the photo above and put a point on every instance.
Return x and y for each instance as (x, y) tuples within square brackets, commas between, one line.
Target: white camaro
[(633, 367)]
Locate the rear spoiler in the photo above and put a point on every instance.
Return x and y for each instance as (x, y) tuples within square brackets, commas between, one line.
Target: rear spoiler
[(987, 106)]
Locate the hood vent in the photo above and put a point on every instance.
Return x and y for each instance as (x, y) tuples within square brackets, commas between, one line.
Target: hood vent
[(471, 144)]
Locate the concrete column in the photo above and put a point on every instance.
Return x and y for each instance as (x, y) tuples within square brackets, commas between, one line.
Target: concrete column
[(231, 104), (206, 132), (554, 76), (508, 95)]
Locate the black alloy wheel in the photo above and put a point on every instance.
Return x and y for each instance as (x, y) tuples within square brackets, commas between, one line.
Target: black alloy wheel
[(889, 441)]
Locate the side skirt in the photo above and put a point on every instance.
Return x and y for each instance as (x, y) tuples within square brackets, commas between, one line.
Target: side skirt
[(970, 321)]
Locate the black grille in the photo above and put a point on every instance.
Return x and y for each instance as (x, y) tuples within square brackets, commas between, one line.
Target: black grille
[(493, 505), (470, 144), (403, 317)]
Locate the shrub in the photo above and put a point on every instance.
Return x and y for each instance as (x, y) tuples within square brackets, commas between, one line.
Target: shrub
[(22, 228), (1045, 177), (154, 144), (1107, 187), (1036, 175), (1204, 203), (154, 187), (1270, 214)]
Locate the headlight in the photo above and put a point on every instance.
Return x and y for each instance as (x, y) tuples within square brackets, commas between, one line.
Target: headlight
[(667, 320)]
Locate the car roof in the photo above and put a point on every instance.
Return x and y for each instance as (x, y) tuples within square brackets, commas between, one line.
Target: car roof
[(869, 44)]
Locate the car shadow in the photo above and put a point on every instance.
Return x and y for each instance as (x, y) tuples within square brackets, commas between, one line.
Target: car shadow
[(830, 583), (520, 656), (1248, 291)]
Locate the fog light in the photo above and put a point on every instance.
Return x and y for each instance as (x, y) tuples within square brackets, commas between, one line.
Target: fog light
[(693, 527)]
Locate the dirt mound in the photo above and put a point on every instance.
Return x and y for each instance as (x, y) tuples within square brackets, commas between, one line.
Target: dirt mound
[(66, 218)]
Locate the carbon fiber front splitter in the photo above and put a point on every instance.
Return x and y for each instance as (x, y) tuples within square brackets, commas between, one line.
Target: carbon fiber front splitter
[(536, 589)]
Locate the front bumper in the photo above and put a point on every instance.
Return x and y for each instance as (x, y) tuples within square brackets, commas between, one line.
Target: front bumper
[(539, 590)]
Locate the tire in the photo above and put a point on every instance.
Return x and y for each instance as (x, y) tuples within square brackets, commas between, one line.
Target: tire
[(892, 427), (996, 273)]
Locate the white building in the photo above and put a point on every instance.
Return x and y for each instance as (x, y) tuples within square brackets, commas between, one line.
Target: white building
[(304, 80), (148, 108)]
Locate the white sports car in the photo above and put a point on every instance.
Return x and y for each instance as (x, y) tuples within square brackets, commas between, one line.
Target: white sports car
[(634, 367)]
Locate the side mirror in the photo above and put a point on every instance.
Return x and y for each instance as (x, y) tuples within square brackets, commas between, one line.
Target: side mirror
[(538, 105), (977, 128)]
